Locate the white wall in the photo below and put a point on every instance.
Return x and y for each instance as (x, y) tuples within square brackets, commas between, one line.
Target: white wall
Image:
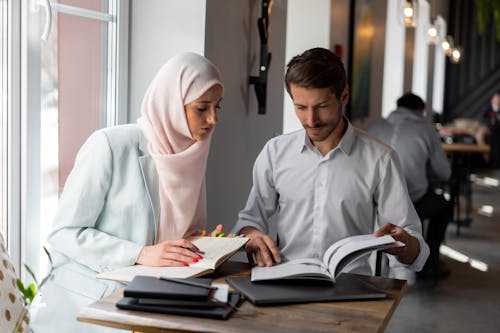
[(439, 73), (421, 55), (307, 26), (160, 29), (232, 43), (226, 33), (393, 58)]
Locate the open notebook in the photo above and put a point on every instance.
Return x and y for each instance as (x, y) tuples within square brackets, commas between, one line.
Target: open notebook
[(217, 250)]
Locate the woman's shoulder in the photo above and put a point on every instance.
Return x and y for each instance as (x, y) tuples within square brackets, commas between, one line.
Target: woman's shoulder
[(116, 139), (128, 134)]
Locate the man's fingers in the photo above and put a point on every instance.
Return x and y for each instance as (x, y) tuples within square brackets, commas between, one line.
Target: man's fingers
[(395, 250), (265, 254), (261, 253), (250, 258), (258, 257), (384, 230), (273, 249)]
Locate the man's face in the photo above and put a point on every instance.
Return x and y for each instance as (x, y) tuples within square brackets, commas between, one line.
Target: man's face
[(495, 102), (318, 109)]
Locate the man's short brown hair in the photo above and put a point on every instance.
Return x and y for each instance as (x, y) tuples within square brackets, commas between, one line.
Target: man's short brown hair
[(316, 68)]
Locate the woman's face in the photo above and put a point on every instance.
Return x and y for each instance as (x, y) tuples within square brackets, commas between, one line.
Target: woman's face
[(201, 113)]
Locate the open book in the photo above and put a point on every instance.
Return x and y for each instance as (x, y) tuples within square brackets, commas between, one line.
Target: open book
[(217, 250), (334, 260)]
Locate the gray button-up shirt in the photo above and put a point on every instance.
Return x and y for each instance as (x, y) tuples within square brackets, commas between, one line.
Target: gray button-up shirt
[(317, 200), (418, 146)]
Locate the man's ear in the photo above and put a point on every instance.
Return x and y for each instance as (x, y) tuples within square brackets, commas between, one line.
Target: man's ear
[(344, 98)]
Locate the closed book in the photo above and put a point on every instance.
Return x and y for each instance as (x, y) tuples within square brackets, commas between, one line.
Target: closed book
[(178, 302), (218, 312), (152, 287), (347, 287)]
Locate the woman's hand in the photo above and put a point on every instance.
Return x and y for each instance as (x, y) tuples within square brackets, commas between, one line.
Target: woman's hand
[(169, 253)]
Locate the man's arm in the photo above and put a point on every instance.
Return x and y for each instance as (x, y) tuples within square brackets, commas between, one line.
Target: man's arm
[(262, 203), (395, 210)]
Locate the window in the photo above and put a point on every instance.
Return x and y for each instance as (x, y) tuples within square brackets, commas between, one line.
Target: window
[(9, 125), (68, 89), (3, 116)]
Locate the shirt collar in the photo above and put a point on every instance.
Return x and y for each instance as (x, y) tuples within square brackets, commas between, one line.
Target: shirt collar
[(345, 144)]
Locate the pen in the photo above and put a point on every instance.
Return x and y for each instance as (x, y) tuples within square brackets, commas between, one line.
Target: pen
[(193, 250), (188, 282)]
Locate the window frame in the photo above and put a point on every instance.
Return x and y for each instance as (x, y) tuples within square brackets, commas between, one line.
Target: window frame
[(20, 156)]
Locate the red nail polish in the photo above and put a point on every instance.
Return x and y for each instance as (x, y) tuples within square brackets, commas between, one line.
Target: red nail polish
[(185, 264), (199, 257), (195, 260)]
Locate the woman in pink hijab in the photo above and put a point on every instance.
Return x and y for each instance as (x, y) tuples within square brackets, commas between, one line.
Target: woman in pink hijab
[(178, 117), (136, 192)]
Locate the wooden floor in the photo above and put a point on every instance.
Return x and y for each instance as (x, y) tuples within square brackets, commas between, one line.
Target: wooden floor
[(469, 300)]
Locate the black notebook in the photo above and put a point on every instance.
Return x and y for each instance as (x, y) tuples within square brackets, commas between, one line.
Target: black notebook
[(152, 287), (347, 287), (218, 312)]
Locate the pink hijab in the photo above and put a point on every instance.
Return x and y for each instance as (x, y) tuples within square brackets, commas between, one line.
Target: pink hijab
[(180, 160)]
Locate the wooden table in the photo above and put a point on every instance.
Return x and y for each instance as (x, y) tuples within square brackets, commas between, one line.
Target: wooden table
[(348, 316), (465, 148), (461, 155)]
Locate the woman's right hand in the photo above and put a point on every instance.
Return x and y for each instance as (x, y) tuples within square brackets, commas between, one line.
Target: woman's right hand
[(169, 253)]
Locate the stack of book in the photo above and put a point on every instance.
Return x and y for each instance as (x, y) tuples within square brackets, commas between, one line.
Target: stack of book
[(192, 297)]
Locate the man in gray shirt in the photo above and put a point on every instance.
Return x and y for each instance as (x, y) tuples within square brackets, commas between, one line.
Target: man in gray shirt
[(422, 157), (327, 181)]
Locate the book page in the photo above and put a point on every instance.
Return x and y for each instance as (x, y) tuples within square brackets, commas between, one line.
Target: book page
[(356, 247), (308, 268), (335, 246), (217, 249), (127, 274)]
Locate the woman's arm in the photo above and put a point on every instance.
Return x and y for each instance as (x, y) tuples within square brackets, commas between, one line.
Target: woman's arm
[(74, 231)]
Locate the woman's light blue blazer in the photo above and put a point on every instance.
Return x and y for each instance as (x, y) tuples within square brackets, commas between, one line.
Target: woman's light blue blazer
[(107, 213)]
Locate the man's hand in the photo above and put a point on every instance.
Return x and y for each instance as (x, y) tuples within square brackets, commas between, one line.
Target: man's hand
[(261, 247), (169, 253), (405, 254)]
